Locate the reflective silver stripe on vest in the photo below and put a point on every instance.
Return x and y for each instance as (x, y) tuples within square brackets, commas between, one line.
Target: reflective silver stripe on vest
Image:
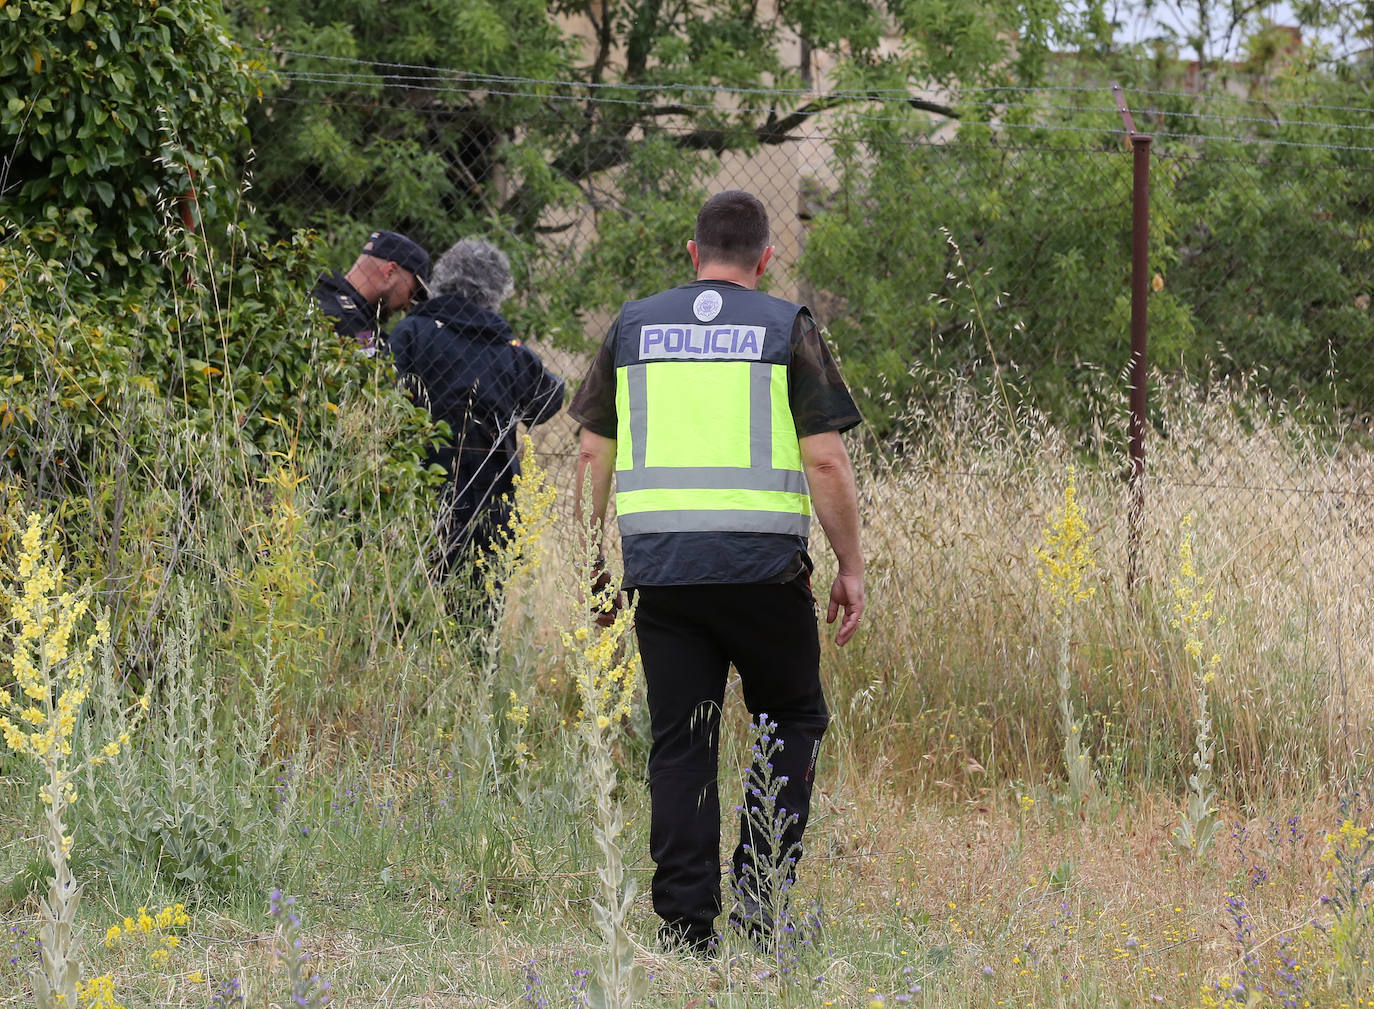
[(729, 521), (790, 481), (638, 390), (760, 417)]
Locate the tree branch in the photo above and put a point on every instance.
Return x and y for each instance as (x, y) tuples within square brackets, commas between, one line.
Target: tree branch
[(599, 153)]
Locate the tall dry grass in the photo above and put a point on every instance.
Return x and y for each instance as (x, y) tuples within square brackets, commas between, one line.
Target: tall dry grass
[(951, 683), (953, 677)]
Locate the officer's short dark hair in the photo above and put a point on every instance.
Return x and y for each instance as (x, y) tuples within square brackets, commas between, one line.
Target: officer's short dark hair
[(732, 227)]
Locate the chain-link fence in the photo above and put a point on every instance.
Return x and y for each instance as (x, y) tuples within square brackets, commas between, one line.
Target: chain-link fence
[(952, 244)]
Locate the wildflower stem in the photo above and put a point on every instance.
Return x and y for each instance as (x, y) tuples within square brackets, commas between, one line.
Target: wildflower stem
[(50, 662), (56, 980), (1065, 562), (1192, 617), (605, 666)]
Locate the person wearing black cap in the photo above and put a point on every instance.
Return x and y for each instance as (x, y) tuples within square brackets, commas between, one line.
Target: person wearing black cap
[(390, 275), (458, 356)]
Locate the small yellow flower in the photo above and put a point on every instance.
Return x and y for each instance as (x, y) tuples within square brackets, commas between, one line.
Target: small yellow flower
[(97, 993), (1066, 558)]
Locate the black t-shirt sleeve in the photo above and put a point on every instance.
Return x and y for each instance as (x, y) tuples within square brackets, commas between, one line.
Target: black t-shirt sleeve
[(820, 400), (594, 405)]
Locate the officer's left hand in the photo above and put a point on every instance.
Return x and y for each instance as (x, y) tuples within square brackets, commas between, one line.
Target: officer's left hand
[(847, 593)]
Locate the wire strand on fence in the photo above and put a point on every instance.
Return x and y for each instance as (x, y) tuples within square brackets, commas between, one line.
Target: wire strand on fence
[(464, 83), (427, 72)]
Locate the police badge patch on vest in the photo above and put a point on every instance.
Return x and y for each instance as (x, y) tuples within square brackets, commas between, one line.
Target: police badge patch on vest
[(661, 341), (707, 305)]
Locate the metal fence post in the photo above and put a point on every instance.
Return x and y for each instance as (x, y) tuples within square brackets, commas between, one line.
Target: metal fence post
[(1140, 329)]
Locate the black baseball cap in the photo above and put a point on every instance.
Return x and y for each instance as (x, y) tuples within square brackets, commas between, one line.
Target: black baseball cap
[(401, 251)]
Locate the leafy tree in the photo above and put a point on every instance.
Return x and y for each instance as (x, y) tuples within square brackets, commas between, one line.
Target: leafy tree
[(1219, 37), (1034, 279), (111, 116), (586, 175)]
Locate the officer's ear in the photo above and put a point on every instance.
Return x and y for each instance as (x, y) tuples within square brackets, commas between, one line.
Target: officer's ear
[(763, 261), (695, 253)]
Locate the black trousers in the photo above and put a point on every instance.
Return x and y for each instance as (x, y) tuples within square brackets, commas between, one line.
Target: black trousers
[(688, 638)]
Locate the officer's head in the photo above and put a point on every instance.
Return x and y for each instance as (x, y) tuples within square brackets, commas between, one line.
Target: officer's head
[(732, 233), (392, 271), (475, 270)]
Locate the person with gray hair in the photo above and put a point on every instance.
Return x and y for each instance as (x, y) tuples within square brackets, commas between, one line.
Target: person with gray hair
[(457, 355), (476, 270)]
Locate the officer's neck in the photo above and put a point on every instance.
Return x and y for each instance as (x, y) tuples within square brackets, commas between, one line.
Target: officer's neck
[(728, 274)]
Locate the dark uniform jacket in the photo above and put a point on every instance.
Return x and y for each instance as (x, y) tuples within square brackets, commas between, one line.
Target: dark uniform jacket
[(463, 363), (350, 311)]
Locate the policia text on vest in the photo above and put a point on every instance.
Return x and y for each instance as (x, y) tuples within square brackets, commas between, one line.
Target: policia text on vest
[(664, 341)]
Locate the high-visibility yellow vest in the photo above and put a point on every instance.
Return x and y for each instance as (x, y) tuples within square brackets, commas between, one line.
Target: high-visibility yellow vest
[(707, 459)]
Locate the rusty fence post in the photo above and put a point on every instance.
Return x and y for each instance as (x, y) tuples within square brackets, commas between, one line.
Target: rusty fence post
[(1140, 327)]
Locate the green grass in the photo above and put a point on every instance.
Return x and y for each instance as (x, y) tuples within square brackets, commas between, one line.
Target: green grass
[(313, 693)]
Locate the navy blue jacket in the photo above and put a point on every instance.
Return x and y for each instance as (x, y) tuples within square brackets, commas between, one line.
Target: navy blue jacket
[(463, 363), (352, 314)]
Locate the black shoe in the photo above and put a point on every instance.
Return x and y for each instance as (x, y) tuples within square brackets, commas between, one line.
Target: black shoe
[(755, 924), (686, 939), (751, 920)]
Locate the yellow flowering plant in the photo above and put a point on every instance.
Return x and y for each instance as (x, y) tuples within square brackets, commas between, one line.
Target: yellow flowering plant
[(514, 555), (98, 993), (604, 664), (1064, 564), (283, 598), (1192, 615), (52, 642), (154, 929)]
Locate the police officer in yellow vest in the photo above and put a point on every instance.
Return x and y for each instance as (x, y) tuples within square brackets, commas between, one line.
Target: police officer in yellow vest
[(719, 409)]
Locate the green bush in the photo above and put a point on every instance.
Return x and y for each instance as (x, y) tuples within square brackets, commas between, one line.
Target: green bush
[(115, 114), (155, 418), (1005, 247)]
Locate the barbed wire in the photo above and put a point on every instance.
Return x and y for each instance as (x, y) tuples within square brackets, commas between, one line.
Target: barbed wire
[(466, 84), (1108, 127), (1222, 96), (314, 78), (427, 73)]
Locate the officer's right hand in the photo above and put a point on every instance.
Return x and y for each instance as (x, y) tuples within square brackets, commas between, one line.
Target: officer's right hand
[(846, 593), (606, 603)]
